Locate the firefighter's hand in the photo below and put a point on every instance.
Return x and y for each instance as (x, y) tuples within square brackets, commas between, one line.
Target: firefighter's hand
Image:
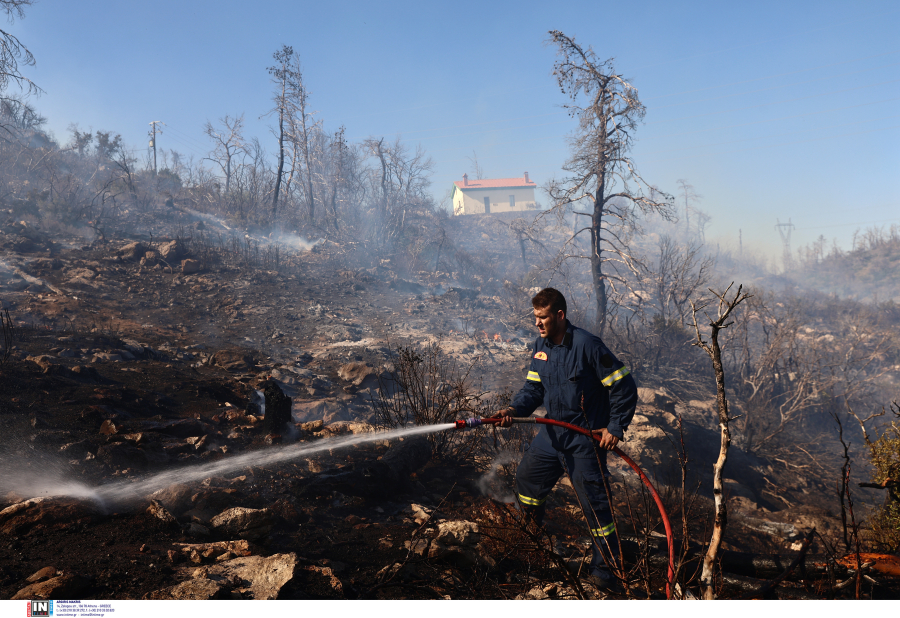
[(506, 415), (607, 440)]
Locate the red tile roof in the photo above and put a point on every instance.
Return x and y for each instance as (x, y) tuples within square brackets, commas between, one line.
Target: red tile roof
[(495, 183)]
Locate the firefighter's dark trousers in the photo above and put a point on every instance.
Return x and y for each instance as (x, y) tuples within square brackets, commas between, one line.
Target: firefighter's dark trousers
[(538, 472)]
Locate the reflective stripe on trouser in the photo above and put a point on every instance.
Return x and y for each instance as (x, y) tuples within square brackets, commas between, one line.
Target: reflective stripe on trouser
[(540, 469), (604, 531), (528, 501)]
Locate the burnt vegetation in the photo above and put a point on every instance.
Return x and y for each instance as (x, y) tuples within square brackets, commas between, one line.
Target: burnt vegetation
[(148, 312)]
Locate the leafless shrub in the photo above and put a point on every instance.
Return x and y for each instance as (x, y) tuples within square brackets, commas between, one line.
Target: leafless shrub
[(428, 388)]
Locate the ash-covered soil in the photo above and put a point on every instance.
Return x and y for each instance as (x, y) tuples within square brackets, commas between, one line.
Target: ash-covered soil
[(142, 357)]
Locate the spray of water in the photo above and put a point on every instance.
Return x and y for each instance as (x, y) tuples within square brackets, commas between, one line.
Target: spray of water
[(136, 489)]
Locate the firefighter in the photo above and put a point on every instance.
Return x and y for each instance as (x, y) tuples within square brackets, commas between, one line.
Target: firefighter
[(579, 381)]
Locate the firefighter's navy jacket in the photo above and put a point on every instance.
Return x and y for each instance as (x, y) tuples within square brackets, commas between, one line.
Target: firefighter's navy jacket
[(580, 371)]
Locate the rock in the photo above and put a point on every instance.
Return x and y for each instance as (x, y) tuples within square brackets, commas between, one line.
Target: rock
[(313, 426), (403, 572), (109, 428), (133, 251), (43, 574), (342, 428), (88, 373), (236, 359), (458, 541), (219, 548), (244, 523), (192, 590), (333, 582), (278, 407), (458, 533), (656, 398), (40, 515), (189, 267), (357, 373), (329, 410), (159, 511), (172, 251), (418, 512), (262, 578), (63, 587), (42, 360)]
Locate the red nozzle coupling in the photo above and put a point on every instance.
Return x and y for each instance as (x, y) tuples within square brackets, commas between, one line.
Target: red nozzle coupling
[(467, 423)]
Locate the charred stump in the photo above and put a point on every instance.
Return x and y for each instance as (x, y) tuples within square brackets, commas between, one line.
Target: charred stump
[(278, 408)]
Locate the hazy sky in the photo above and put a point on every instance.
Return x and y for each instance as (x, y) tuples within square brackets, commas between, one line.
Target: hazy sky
[(770, 109)]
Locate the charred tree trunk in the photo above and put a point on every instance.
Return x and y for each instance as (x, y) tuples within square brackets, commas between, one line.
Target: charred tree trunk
[(707, 576), (278, 408), (280, 160), (597, 278)]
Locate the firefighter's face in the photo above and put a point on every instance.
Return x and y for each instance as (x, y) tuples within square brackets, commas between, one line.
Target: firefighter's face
[(549, 324)]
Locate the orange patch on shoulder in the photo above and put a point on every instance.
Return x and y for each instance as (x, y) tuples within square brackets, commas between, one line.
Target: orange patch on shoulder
[(541, 356)]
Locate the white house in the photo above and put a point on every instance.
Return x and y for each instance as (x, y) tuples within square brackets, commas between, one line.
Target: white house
[(471, 197)]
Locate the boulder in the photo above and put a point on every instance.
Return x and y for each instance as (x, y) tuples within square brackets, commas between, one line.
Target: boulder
[(656, 398), (458, 542), (243, 522), (329, 410), (67, 586), (41, 515), (189, 267), (342, 428), (236, 359), (133, 251), (44, 574), (160, 512), (256, 577), (172, 251), (357, 373), (192, 590)]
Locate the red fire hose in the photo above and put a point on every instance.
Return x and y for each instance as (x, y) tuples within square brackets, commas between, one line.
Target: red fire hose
[(475, 422)]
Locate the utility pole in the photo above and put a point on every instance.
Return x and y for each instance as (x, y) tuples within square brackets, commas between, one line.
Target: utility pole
[(741, 243), (153, 131), (786, 241)]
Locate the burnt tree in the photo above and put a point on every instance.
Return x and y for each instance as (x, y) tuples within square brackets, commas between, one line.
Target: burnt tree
[(711, 347), (602, 178)]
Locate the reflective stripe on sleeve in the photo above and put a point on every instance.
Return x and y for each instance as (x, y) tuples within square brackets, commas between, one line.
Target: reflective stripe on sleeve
[(533, 376), (531, 501), (615, 376), (604, 531)]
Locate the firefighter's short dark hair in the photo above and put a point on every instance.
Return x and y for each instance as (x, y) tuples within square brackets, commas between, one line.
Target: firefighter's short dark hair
[(552, 298)]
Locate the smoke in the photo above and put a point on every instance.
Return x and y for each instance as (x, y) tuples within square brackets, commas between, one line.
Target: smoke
[(292, 241), (492, 484)]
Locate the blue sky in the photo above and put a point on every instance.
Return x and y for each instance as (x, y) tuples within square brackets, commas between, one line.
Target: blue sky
[(770, 109)]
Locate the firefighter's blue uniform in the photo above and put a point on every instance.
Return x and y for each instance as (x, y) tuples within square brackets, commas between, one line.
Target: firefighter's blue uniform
[(582, 383)]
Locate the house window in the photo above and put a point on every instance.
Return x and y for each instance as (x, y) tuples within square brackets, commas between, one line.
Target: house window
[(487, 205), (512, 202)]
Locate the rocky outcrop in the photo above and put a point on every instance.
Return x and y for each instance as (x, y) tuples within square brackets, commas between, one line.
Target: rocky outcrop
[(39, 515), (243, 523), (62, 587), (250, 577)]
